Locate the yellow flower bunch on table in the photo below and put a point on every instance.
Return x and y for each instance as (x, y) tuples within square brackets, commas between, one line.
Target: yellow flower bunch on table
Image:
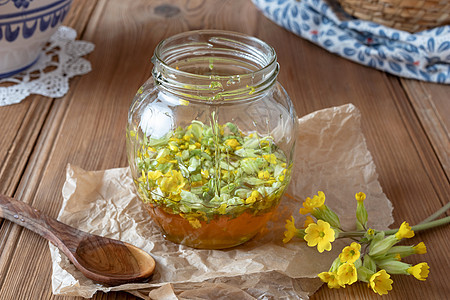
[(374, 254)]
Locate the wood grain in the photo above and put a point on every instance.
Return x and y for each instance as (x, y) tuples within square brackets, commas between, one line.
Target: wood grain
[(25, 146), (405, 123), (431, 104), (103, 260)]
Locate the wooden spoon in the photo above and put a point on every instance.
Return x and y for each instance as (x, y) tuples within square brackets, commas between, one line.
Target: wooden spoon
[(101, 259)]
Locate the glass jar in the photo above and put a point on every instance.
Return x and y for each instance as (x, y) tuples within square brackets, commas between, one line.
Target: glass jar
[(210, 138)]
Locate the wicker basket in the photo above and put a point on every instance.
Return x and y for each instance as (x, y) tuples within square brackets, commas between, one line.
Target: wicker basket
[(408, 15)]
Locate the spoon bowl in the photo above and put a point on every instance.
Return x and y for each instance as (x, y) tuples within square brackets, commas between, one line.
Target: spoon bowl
[(104, 260)]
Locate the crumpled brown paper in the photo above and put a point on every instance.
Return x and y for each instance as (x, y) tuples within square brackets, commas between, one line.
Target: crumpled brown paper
[(331, 156)]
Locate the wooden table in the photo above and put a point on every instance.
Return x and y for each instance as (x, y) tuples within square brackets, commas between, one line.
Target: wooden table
[(405, 123)]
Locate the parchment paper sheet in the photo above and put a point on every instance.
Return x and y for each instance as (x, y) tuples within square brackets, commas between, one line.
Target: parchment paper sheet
[(331, 156)]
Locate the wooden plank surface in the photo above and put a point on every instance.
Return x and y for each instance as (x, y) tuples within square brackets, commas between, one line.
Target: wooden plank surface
[(86, 128), (431, 104)]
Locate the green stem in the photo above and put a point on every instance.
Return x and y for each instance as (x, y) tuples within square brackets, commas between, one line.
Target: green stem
[(437, 214), (416, 228), (350, 234)]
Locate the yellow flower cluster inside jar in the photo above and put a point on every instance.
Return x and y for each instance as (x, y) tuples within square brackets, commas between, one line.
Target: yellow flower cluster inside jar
[(211, 138), (210, 186)]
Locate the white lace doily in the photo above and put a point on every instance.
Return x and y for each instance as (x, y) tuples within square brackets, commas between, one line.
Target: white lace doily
[(61, 59)]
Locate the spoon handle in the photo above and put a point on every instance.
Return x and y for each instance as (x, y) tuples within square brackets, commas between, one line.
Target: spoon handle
[(63, 236)]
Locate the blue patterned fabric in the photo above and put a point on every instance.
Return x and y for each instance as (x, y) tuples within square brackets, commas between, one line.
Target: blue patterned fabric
[(424, 55)]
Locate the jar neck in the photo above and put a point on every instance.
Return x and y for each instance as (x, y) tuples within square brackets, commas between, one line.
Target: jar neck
[(214, 66)]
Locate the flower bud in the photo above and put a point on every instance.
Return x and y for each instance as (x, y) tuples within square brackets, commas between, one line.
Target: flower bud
[(358, 263), (326, 214), (335, 265), (364, 274), (361, 216), (370, 234), (360, 197), (379, 248), (404, 251), (393, 266), (369, 263)]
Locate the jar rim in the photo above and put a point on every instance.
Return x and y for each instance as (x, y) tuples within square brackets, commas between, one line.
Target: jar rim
[(247, 65), (227, 33)]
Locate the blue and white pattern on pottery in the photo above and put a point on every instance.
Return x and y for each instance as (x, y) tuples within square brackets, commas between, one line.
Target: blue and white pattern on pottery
[(423, 55), (28, 20), (25, 26)]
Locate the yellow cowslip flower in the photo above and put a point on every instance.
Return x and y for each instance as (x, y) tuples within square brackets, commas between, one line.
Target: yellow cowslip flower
[(205, 173), (253, 197), (175, 198), (153, 175), (173, 148), (291, 230), (316, 202), (164, 159), (331, 279), (420, 248), (233, 143), (271, 181), (143, 178), (308, 220), (420, 271), (347, 274), (404, 232), (271, 158), (195, 223), (172, 182), (381, 282), (250, 200), (360, 196), (350, 253), (225, 174), (222, 209), (320, 234), (196, 183), (264, 143), (264, 175)]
